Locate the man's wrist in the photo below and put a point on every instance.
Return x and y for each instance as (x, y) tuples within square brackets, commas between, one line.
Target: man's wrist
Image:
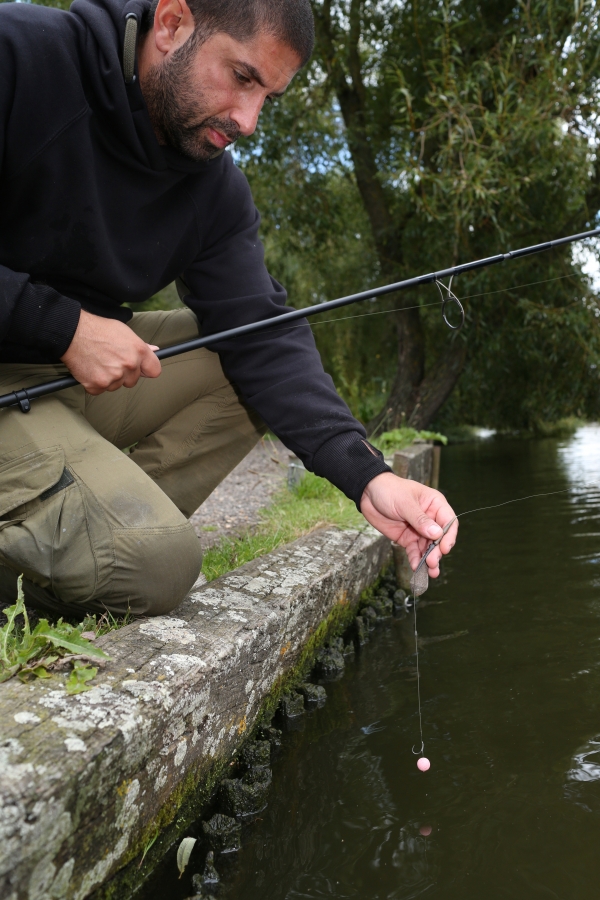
[(375, 483), (83, 315), (349, 462), (44, 319)]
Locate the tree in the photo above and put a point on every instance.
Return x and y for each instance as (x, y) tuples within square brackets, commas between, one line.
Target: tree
[(460, 129)]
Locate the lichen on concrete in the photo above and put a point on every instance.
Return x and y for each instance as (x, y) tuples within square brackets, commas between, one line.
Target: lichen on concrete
[(86, 781)]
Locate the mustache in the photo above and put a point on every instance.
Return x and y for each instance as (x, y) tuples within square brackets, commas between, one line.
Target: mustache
[(225, 126)]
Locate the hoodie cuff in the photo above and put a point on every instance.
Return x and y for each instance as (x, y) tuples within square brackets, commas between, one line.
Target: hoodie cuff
[(44, 319), (350, 462)]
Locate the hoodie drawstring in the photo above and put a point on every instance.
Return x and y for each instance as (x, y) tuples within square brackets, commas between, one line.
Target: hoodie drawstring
[(129, 47)]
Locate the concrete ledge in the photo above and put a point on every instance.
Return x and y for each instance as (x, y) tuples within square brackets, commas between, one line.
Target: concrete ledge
[(85, 779)]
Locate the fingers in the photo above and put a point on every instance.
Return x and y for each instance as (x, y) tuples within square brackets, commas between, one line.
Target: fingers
[(105, 355), (414, 555), (429, 516), (444, 547), (420, 521), (449, 539), (142, 363), (150, 364)]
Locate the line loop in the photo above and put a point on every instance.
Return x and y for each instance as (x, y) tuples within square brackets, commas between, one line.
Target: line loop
[(448, 296)]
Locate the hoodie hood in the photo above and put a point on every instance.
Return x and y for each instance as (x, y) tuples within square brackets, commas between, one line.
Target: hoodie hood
[(101, 25)]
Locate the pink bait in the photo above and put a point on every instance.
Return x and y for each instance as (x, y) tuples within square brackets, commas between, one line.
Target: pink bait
[(423, 764)]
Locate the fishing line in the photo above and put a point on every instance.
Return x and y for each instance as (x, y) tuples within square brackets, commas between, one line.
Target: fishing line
[(517, 287), (385, 312), (420, 582), (421, 751), (516, 500)]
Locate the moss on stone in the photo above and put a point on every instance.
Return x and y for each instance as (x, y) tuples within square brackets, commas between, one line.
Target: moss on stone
[(185, 805)]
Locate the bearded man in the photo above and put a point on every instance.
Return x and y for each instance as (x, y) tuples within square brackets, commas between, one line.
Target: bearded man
[(114, 118)]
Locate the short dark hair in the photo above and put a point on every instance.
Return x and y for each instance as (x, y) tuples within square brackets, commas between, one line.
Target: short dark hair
[(290, 21)]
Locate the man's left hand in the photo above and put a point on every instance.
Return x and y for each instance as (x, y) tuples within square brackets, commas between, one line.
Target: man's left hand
[(410, 514)]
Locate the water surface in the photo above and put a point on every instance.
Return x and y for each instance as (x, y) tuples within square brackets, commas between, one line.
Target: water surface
[(511, 714)]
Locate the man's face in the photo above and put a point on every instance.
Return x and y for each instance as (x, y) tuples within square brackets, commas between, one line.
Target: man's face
[(202, 97)]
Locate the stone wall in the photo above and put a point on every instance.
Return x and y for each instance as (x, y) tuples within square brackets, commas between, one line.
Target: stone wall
[(86, 780)]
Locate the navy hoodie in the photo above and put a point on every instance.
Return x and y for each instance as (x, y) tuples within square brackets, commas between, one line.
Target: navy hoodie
[(94, 213)]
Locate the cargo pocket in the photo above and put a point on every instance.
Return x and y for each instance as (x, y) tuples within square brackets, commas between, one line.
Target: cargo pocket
[(31, 473), (44, 529)]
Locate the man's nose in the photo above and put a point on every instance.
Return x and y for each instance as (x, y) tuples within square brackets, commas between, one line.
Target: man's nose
[(246, 115)]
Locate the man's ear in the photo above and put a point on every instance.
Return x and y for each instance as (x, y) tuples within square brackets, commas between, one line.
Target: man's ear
[(173, 25)]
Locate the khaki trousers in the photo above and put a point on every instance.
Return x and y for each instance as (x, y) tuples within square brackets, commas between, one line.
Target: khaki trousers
[(93, 528)]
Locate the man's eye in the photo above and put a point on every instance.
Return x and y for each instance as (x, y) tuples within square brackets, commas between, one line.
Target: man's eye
[(242, 78)]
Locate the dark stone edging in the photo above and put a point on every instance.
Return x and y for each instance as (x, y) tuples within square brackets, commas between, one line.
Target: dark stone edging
[(86, 780)]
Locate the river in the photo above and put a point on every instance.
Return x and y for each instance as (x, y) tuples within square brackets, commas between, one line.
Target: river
[(510, 682)]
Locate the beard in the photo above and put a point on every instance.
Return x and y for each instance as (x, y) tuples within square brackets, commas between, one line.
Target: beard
[(179, 110)]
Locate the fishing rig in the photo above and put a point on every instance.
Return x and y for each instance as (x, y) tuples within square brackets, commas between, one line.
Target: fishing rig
[(419, 583), (22, 398)]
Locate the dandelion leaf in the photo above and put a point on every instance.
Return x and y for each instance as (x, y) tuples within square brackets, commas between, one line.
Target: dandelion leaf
[(77, 681), (67, 638)]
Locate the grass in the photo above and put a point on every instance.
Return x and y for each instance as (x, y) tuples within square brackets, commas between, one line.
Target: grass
[(314, 503), (106, 623)]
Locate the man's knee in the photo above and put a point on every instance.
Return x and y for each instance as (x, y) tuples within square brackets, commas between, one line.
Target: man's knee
[(73, 551), (155, 569)]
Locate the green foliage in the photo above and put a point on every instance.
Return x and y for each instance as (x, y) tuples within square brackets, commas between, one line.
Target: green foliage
[(403, 437), (561, 429), (80, 675), (481, 122), (314, 504), (32, 653)]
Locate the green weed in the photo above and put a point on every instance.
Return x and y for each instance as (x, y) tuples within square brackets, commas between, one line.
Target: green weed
[(36, 653), (79, 677), (400, 438)]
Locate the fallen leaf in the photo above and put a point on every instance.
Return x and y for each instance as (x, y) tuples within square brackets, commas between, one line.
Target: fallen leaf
[(183, 854)]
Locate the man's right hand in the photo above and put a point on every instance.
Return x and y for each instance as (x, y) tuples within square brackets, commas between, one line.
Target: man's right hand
[(105, 355)]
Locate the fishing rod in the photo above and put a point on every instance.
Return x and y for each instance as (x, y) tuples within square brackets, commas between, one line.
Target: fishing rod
[(23, 397)]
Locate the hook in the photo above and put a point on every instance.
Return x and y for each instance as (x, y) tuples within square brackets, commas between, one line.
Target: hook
[(450, 298), (419, 752)]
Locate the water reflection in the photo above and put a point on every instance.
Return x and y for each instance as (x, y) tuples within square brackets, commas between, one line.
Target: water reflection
[(586, 763), (580, 458)]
